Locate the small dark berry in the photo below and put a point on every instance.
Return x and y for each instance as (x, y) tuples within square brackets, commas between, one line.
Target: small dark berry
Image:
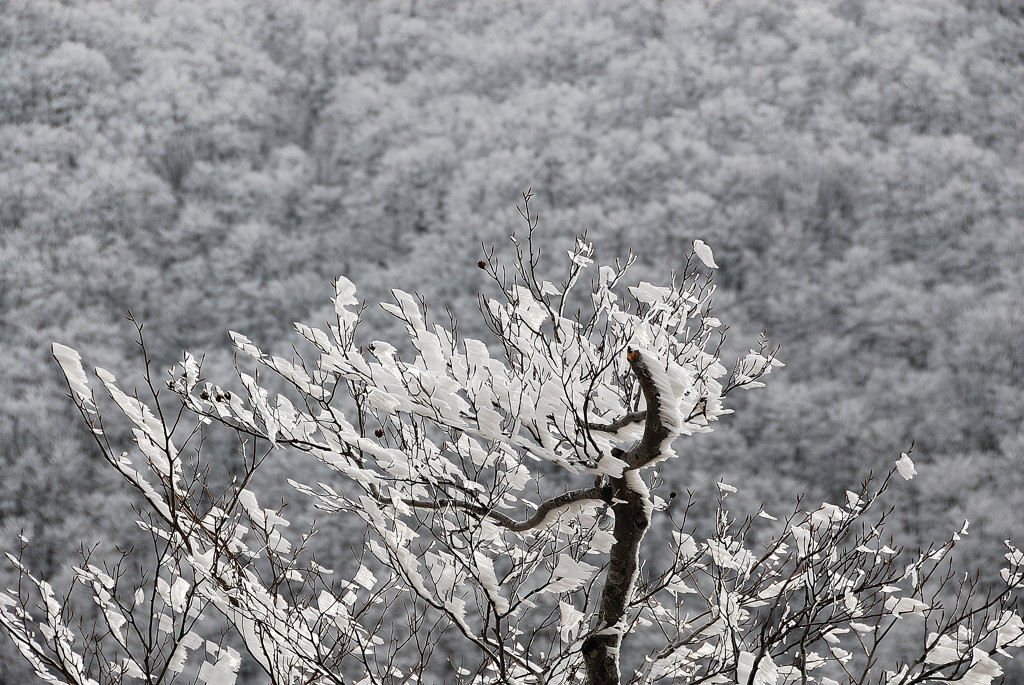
[(379, 432), (204, 395), (672, 495), (481, 264)]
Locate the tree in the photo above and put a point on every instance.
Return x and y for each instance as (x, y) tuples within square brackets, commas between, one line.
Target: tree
[(504, 500)]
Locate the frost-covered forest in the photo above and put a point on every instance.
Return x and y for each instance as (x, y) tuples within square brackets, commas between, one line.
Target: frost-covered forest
[(857, 166)]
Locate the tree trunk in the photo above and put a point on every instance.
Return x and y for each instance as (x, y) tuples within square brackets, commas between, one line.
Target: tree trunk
[(632, 519), (632, 507)]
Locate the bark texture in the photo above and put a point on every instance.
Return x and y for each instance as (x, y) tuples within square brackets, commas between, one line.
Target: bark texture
[(601, 650), (632, 511)]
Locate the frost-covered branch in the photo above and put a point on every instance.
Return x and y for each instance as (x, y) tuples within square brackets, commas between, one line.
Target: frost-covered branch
[(498, 497), (619, 423), (547, 509)]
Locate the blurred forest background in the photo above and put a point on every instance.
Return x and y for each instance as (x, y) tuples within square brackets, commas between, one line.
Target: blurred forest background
[(857, 165)]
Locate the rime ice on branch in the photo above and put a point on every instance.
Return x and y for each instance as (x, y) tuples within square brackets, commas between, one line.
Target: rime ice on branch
[(505, 492), (599, 383)]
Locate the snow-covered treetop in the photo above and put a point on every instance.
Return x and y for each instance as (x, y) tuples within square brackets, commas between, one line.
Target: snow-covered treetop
[(442, 447), (566, 387), (504, 491)]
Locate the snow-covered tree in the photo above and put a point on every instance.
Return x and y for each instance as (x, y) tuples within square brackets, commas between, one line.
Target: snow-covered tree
[(504, 493)]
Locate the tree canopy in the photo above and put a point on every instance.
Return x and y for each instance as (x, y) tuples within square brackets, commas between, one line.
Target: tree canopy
[(504, 499)]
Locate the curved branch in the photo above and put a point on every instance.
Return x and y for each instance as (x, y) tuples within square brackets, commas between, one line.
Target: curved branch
[(546, 507), (619, 423), (655, 432)]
